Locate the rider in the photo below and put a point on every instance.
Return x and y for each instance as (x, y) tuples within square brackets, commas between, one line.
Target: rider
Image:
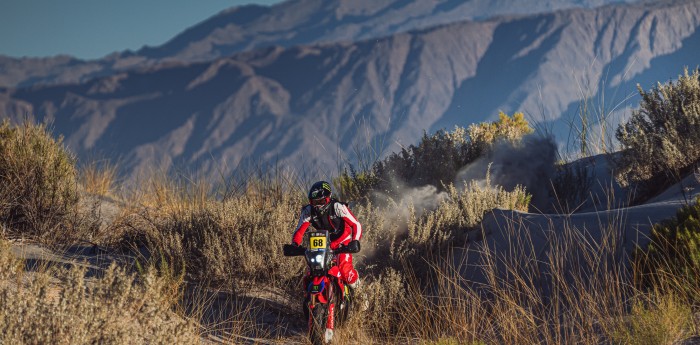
[(326, 213)]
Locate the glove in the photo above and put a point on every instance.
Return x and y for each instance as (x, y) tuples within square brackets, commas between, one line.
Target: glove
[(292, 250), (353, 246)]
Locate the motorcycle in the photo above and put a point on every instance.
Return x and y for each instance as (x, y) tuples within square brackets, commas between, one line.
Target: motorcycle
[(328, 300)]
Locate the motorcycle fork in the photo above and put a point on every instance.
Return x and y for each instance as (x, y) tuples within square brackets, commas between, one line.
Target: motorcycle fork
[(330, 319)]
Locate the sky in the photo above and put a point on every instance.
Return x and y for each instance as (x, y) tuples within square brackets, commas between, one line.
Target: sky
[(90, 29)]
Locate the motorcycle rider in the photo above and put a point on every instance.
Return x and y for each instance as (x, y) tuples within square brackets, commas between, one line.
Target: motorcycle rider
[(326, 213)]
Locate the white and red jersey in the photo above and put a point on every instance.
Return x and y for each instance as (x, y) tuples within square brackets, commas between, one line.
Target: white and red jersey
[(338, 220)]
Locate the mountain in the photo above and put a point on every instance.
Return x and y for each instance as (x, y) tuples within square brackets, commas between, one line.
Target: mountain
[(305, 22), (291, 23), (313, 106)]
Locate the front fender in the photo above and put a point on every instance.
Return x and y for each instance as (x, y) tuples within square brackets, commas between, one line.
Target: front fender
[(317, 288)]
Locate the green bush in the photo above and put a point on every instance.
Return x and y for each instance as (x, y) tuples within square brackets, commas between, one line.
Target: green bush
[(661, 141), (434, 161), (38, 181), (657, 319), (674, 250), (484, 135), (353, 185)]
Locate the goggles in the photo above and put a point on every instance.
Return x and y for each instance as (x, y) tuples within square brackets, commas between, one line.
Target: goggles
[(319, 202)]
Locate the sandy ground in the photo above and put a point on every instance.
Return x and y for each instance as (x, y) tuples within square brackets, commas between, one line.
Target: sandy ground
[(502, 229)]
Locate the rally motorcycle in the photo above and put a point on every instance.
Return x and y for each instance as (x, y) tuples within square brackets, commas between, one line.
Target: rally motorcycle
[(328, 300)]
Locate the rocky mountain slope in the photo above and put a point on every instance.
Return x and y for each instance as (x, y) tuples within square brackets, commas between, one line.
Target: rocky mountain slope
[(287, 24), (314, 106)]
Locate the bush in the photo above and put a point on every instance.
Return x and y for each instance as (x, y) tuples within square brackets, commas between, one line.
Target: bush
[(38, 182), (661, 140), (116, 308), (657, 319), (571, 185), (674, 250), (484, 135), (435, 161), (353, 185)]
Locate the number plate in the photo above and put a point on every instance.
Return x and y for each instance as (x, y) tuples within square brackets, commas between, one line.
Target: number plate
[(318, 242)]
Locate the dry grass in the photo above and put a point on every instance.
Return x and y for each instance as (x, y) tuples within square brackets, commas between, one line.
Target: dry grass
[(657, 318), (99, 178), (59, 306), (228, 243), (576, 292)]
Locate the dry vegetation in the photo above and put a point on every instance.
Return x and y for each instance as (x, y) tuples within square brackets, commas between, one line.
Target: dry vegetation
[(660, 141), (39, 186), (226, 240), (59, 306)]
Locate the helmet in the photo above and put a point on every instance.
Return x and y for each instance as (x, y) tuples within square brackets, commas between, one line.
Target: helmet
[(320, 195)]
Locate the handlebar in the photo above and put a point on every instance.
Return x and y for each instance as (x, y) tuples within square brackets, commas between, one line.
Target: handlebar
[(292, 250)]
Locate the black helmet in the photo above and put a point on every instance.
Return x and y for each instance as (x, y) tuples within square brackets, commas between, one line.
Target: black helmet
[(320, 195)]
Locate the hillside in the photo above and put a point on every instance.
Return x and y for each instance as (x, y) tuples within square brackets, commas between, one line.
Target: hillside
[(316, 106), (287, 24), (307, 22)]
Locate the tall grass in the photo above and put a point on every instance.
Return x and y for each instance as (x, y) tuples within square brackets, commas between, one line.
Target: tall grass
[(232, 242), (99, 178), (575, 292)]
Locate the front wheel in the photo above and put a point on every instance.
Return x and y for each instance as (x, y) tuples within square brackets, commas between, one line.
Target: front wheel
[(317, 325)]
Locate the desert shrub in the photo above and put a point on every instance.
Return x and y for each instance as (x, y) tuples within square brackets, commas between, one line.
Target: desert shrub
[(62, 307), (435, 160), (38, 182), (384, 293), (401, 231), (484, 135), (353, 185), (661, 140), (673, 252)]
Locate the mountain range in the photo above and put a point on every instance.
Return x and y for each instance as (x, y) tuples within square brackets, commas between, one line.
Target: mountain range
[(314, 89)]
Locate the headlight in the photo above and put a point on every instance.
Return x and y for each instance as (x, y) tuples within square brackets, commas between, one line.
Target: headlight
[(319, 258)]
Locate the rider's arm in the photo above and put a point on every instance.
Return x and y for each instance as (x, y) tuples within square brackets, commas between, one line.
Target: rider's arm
[(344, 212), (303, 224)]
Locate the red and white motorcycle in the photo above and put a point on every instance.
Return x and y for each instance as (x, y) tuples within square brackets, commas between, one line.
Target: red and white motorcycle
[(328, 300)]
